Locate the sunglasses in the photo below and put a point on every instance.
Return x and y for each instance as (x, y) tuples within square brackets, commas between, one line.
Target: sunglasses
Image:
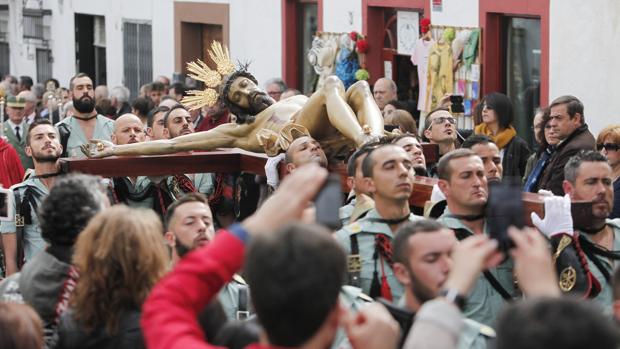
[(440, 120), (607, 146)]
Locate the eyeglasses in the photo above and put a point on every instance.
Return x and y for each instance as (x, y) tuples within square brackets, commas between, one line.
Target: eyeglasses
[(440, 120), (607, 146)]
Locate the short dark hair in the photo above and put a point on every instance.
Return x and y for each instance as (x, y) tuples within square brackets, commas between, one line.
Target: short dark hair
[(475, 140), (369, 161), (444, 171), (142, 105), (158, 86), (295, 276), (56, 83), (555, 323), (179, 89), (35, 123), (174, 107), (243, 114), (400, 244), (573, 106), (26, 81), (502, 106), (189, 197), (572, 166), (351, 163), (77, 76), (151, 115), (66, 210)]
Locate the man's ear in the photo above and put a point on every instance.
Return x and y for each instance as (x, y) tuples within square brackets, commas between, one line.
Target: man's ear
[(149, 131), (444, 186), (616, 307), (427, 134), (370, 185), (402, 274), (350, 182), (113, 138), (170, 238), (567, 186), (290, 167), (28, 151), (166, 133)]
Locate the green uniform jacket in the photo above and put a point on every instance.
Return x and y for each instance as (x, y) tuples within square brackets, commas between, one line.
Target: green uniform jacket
[(605, 297), (103, 131), (365, 229), (484, 302), (19, 146), (33, 242)]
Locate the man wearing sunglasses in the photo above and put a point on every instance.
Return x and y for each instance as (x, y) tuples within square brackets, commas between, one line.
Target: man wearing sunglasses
[(440, 130), (568, 124)]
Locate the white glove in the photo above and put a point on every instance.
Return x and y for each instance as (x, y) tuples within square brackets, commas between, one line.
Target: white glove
[(558, 217), (544, 192), (271, 170)]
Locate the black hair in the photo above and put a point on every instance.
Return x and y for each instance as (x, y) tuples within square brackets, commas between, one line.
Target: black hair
[(35, 123), (158, 86), (476, 139), (66, 210), (555, 323), (174, 107), (151, 115), (56, 83), (295, 276), (502, 106), (189, 197), (26, 81), (351, 163), (179, 89), (142, 105), (408, 229), (243, 115)]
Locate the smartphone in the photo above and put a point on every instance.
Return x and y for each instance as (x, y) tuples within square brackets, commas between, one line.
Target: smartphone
[(6, 205), (456, 104), (328, 201), (504, 209)]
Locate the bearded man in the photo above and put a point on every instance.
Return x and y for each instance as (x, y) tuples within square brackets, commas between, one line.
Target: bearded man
[(85, 124), (21, 237)]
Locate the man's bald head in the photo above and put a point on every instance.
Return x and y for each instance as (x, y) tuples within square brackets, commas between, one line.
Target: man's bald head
[(304, 150), (168, 103), (128, 128), (384, 91)]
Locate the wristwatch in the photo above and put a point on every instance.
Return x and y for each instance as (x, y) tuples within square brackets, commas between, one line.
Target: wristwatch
[(453, 296)]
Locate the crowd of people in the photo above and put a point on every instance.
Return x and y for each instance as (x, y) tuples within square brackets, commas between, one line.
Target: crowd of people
[(180, 261)]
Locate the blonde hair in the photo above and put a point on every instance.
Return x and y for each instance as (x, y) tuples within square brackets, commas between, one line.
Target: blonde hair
[(120, 256), (403, 119)]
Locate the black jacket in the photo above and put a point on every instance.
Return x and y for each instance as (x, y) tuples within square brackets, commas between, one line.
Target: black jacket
[(516, 154)]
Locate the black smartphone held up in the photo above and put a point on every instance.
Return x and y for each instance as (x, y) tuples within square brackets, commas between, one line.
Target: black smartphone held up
[(328, 201), (504, 209), (456, 104), (6, 204)]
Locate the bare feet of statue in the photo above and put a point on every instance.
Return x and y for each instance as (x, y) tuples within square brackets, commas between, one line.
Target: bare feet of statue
[(97, 148)]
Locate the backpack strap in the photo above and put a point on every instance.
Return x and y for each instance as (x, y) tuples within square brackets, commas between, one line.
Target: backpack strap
[(243, 309), (354, 262), (19, 228), (64, 131)]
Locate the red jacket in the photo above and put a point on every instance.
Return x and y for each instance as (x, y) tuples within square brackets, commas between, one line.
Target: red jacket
[(11, 170), (169, 315)]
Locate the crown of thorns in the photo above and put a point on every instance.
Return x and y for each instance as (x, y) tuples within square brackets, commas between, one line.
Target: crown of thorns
[(212, 78)]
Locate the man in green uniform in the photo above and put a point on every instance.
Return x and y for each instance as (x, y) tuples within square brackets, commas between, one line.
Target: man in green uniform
[(588, 177), (388, 172), (359, 197), (189, 225), (422, 261), (16, 128), (463, 182), (85, 124), (21, 237)]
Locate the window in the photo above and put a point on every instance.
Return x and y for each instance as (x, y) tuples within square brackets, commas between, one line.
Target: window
[(5, 65), (44, 65), (522, 70), (137, 56), (308, 24)]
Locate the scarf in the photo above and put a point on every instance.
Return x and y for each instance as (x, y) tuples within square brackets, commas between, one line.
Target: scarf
[(501, 139)]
